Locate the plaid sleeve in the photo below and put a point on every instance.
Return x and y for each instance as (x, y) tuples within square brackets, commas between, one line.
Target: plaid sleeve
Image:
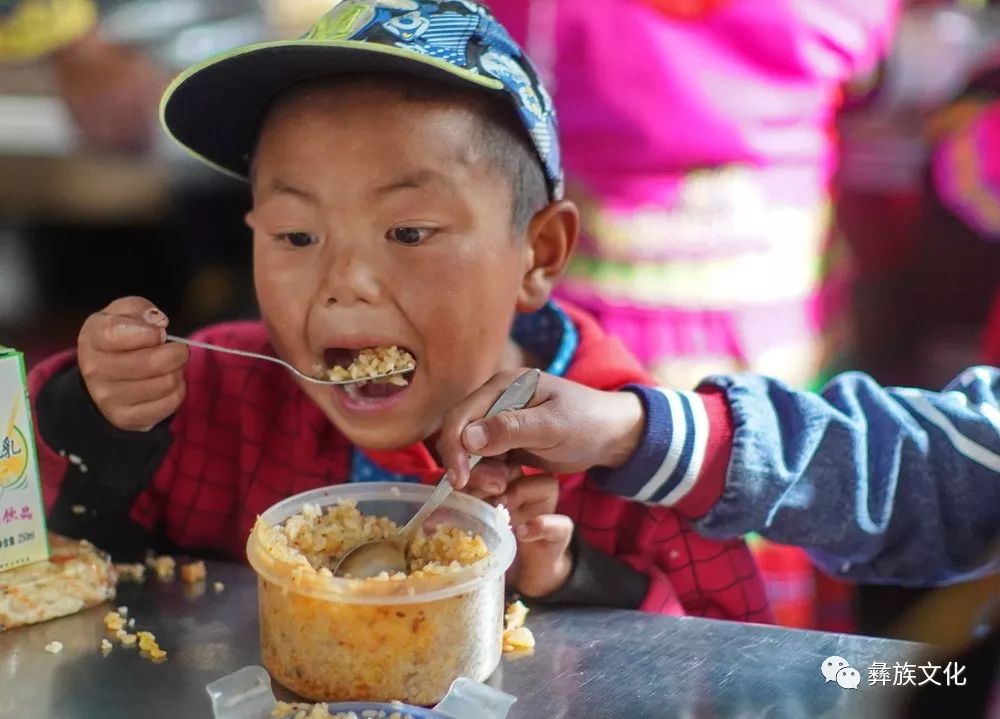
[(91, 471), (31, 28), (244, 438), (51, 465), (688, 573)]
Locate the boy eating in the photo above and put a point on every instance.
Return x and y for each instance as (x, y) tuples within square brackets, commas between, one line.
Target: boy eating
[(407, 192)]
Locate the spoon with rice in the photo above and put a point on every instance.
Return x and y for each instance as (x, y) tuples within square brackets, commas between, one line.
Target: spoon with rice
[(394, 361)]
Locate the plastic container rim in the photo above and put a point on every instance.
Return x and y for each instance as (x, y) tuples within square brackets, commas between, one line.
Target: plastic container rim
[(336, 589)]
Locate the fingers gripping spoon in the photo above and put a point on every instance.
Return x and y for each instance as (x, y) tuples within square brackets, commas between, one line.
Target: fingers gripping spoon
[(389, 555)]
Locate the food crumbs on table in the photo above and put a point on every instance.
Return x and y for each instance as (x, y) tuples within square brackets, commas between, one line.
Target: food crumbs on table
[(516, 636), (78, 509), (54, 647), (218, 587), (193, 572), (135, 572), (164, 566), (148, 645), (114, 621), (106, 646)]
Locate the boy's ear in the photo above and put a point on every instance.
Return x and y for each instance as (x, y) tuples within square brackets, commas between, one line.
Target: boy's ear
[(548, 242)]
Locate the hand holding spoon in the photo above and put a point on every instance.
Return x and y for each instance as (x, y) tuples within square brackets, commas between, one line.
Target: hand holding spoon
[(389, 555)]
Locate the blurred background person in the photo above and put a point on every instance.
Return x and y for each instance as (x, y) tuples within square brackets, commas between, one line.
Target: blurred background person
[(97, 204), (925, 279), (699, 143), (111, 91), (698, 140), (948, 300), (110, 94)]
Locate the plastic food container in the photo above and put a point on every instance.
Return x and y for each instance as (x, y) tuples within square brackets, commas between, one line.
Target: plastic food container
[(331, 639)]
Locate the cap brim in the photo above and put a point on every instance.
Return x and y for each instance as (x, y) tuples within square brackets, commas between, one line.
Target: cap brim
[(213, 109)]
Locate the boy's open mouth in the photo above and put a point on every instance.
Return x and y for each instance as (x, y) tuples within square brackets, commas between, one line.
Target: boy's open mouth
[(343, 363)]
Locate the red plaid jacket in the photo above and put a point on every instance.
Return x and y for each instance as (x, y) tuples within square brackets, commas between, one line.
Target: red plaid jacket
[(246, 438)]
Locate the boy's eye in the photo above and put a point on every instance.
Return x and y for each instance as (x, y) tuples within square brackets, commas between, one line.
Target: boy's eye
[(298, 239), (408, 235)]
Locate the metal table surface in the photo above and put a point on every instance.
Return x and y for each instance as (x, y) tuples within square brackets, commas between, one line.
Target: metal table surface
[(588, 663)]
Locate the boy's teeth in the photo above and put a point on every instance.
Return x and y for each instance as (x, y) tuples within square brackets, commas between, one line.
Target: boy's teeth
[(354, 389)]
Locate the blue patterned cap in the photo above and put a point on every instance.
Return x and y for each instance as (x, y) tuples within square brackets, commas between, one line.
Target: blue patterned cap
[(213, 108)]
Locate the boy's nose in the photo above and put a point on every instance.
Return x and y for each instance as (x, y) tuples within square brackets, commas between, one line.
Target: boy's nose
[(350, 280)]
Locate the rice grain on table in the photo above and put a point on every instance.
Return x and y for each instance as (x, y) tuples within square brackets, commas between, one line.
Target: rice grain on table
[(131, 572), (516, 636), (193, 572), (114, 621), (164, 566)]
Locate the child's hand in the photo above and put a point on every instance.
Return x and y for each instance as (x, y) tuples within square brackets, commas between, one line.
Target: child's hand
[(567, 427), (543, 562), (135, 379)]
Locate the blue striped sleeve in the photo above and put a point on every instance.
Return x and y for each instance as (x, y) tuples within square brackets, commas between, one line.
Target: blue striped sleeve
[(666, 464)]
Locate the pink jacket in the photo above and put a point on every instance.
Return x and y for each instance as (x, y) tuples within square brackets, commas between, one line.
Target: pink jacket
[(644, 95)]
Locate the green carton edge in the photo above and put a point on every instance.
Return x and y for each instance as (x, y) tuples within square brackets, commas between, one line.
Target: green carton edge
[(5, 353)]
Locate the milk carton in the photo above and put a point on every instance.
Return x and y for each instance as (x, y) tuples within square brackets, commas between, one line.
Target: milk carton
[(22, 516)]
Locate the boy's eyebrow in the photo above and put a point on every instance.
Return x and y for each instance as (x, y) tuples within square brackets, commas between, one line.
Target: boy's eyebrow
[(413, 180), (278, 187)]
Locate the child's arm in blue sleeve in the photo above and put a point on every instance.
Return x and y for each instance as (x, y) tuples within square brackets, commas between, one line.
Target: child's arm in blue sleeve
[(898, 486)]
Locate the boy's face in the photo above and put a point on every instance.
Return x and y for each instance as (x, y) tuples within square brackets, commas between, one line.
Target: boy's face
[(377, 222)]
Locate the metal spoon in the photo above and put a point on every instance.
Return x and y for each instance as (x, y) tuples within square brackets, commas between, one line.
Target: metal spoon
[(389, 555), (290, 368)]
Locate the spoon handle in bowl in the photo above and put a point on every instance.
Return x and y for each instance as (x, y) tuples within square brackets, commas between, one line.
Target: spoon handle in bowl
[(437, 498), (515, 397)]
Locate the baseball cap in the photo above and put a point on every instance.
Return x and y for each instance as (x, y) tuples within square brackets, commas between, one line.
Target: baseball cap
[(213, 109)]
